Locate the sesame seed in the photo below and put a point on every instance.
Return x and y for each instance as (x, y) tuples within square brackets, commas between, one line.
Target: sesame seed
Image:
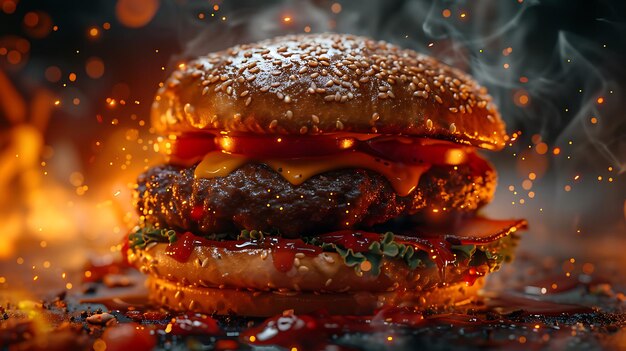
[(205, 263), (302, 70), (303, 269), (315, 119), (429, 124), (287, 99), (280, 95), (452, 128), (330, 83), (248, 100), (312, 63), (289, 114), (339, 125), (244, 93), (438, 99), (453, 109), (273, 124), (329, 98)]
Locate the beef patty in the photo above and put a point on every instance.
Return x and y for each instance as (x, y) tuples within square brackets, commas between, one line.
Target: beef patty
[(256, 197)]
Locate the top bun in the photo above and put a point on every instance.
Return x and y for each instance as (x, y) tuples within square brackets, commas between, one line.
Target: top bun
[(327, 83)]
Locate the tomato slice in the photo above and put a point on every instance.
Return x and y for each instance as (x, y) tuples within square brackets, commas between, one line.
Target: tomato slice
[(192, 147), (284, 146), (416, 151)]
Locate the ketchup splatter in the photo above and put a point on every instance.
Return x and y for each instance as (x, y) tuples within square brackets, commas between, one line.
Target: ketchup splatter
[(305, 332), (129, 336), (196, 324)]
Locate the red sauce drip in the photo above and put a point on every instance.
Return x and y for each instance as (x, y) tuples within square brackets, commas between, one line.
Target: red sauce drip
[(470, 276), (358, 241), (197, 324), (283, 259), (124, 251), (440, 252), (182, 248), (283, 250)]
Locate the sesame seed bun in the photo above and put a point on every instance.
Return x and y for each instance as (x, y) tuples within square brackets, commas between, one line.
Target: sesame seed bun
[(327, 83), (218, 280), (265, 304)]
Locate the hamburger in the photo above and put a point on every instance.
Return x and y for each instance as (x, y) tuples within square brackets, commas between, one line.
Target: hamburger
[(319, 172)]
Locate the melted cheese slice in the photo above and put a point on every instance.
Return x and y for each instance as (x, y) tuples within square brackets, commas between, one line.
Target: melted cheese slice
[(404, 178)]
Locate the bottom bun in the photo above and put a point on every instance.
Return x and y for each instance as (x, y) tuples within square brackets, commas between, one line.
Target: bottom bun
[(265, 304)]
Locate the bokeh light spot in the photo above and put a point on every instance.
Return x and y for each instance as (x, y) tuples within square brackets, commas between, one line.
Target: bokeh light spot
[(136, 13), (53, 74), (94, 67)]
